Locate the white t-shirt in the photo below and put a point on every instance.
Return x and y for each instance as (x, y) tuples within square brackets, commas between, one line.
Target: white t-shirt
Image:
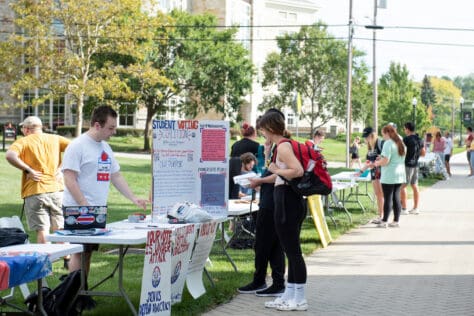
[(449, 146), (95, 163)]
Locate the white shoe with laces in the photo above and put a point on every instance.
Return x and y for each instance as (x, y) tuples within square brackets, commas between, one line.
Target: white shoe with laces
[(275, 303), (404, 212), (292, 305), (414, 211)]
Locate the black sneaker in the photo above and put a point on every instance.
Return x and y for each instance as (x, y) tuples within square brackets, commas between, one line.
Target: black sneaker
[(251, 288), (273, 290)]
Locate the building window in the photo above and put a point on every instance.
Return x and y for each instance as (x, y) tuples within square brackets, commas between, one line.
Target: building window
[(126, 114), (290, 119)]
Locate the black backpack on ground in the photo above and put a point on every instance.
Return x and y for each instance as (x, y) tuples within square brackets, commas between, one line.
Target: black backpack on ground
[(63, 299)]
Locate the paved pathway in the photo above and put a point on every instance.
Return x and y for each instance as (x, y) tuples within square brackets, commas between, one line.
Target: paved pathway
[(425, 267)]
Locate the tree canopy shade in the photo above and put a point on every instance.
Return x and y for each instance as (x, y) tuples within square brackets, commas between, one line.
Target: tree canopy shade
[(314, 64), (428, 96), (58, 42), (205, 69)]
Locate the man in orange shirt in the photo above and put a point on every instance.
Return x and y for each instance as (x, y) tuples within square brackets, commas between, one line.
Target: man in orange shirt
[(38, 155)]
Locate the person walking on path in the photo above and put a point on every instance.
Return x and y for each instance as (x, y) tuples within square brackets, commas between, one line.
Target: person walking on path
[(448, 152), (290, 213), (439, 145), (355, 158), (393, 175), (89, 167), (414, 150), (38, 156)]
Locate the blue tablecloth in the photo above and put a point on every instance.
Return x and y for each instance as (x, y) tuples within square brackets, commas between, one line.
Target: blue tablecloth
[(22, 268)]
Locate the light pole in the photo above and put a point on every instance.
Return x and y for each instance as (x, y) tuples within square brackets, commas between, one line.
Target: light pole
[(375, 27), (461, 102), (414, 101), (349, 86)]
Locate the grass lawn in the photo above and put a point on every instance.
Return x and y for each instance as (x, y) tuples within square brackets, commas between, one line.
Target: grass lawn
[(138, 174)]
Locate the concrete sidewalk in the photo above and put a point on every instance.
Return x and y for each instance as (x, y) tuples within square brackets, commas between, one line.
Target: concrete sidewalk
[(425, 267)]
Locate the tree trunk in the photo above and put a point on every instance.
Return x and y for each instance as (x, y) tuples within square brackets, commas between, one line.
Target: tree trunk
[(148, 128), (80, 106)]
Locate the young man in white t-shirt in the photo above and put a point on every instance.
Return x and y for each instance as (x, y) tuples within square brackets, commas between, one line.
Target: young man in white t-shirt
[(89, 166)]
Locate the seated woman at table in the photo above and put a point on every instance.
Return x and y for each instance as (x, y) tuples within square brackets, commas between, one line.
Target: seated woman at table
[(374, 149), (248, 162)]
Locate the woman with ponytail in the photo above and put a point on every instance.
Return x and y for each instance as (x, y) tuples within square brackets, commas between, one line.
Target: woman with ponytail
[(393, 174)]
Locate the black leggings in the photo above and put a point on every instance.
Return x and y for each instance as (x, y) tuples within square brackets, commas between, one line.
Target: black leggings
[(391, 195), (289, 216)]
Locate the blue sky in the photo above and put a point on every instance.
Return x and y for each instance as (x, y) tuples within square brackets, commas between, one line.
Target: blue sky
[(421, 59)]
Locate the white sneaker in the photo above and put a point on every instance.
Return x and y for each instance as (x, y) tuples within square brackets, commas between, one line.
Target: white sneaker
[(404, 212), (414, 211), (393, 224), (275, 303), (376, 221), (291, 305), (382, 224)]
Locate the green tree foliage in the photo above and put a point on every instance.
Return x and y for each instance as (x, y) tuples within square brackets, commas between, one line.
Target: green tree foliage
[(314, 64), (396, 93), (58, 43), (443, 114), (428, 95), (466, 84), (205, 69)]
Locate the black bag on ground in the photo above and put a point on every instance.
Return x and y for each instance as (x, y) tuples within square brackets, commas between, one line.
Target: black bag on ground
[(244, 240), (12, 236), (57, 301)]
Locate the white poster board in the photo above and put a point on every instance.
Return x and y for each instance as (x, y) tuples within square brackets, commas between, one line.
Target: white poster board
[(190, 164), (204, 241), (183, 243), (155, 298)]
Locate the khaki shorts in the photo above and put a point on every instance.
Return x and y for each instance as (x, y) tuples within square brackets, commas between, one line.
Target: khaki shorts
[(44, 211), (412, 175)]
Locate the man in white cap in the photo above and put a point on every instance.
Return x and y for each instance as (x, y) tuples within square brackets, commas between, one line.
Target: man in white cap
[(38, 156)]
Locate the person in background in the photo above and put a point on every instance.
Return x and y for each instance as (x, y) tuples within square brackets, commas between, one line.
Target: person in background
[(247, 144), (414, 149), (290, 213), (428, 140), (392, 161), (374, 149), (89, 167), (38, 156), (439, 145), (248, 162), (355, 158), (468, 142), (318, 136), (448, 152)]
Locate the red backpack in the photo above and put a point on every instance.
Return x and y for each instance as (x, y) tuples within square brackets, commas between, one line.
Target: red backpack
[(316, 178)]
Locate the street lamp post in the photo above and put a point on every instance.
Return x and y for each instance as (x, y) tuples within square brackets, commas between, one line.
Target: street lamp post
[(374, 27), (414, 101), (461, 102)]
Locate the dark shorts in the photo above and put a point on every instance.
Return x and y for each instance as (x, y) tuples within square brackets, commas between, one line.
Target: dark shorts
[(90, 247), (354, 156), (375, 173), (468, 154), (447, 157)]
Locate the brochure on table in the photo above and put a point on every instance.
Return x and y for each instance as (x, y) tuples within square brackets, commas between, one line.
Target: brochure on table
[(190, 164)]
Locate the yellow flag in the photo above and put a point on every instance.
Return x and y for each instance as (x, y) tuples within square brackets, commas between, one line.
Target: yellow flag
[(298, 103)]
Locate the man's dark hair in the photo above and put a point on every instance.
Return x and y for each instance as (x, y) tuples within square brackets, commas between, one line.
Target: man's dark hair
[(469, 129), (410, 126), (101, 113)]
